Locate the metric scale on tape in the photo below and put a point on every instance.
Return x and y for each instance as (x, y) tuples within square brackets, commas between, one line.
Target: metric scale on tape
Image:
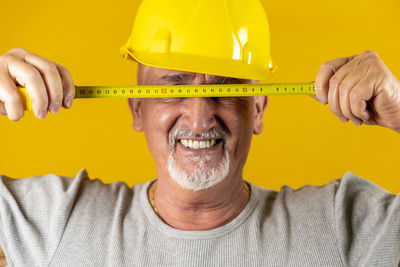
[(209, 90)]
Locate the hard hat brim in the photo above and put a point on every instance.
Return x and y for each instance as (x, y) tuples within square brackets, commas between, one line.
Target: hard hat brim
[(191, 63)]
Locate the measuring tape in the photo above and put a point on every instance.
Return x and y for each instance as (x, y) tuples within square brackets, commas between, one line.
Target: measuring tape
[(208, 90)]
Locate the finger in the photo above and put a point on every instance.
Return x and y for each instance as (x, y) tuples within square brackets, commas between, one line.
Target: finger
[(10, 98), (68, 85), (334, 89), (359, 95), (344, 89), (28, 76), (2, 109), (52, 80), (333, 100), (326, 71)]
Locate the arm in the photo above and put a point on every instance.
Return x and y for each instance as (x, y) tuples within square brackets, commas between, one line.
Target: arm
[(49, 85)]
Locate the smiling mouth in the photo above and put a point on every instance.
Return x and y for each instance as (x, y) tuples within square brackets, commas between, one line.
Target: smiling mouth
[(199, 144)]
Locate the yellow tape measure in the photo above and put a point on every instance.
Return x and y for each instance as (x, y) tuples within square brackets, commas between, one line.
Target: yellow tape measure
[(209, 90)]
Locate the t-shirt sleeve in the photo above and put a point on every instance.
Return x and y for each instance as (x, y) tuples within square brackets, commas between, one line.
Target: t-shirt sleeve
[(33, 214), (367, 223)]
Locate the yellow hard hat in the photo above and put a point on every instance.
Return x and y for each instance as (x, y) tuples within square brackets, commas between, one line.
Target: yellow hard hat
[(219, 37)]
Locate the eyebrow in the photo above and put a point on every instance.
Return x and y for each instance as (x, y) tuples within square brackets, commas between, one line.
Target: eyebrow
[(185, 78), (177, 77)]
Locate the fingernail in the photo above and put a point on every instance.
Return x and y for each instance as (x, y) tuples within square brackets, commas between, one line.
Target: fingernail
[(68, 102), (322, 100), (357, 123), (344, 120), (42, 114), (54, 108)]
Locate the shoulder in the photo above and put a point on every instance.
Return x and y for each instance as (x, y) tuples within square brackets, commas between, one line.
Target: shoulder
[(356, 196), (52, 186), (347, 184), (337, 192), (351, 184), (45, 186), (45, 180)]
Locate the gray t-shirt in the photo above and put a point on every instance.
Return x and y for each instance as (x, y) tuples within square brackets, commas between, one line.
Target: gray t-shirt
[(61, 221)]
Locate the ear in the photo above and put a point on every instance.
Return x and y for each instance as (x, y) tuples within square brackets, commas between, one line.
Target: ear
[(134, 105), (260, 103)]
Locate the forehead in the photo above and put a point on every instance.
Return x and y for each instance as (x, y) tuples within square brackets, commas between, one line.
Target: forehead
[(153, 75)]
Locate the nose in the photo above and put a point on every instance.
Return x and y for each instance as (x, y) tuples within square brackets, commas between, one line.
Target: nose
[(199, 114)]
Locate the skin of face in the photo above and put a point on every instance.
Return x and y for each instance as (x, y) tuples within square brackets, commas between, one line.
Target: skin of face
[(240, 117)]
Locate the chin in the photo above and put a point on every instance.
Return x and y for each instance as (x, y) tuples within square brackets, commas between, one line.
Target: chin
[(200, 177)]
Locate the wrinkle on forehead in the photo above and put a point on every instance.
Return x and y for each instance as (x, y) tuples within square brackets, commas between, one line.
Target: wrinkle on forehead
[(148, 75)]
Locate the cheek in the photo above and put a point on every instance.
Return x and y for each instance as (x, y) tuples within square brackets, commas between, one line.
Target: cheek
[(157, 118), (157, 122), (242, 141), (240, 122), (240, 116)]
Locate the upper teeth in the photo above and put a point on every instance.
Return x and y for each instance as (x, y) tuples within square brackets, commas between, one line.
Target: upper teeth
[(193, 144)]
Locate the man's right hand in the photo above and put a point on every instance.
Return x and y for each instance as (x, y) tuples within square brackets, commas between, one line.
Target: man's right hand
[(49, 84)]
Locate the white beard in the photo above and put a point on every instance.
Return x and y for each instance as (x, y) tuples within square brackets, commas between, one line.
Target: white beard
[(201, 177)]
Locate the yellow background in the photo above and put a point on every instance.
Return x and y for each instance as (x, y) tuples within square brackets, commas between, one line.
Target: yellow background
[(303, 142)]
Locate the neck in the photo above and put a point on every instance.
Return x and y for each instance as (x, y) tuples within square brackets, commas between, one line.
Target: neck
[(199, 210)]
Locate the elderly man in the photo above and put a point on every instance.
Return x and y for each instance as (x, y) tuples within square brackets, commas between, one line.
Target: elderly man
[(199, 211)]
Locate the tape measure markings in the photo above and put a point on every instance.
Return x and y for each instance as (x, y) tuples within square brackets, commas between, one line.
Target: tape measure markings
[(211, 90)]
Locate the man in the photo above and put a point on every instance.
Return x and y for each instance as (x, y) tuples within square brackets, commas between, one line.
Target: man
[(199, 211)]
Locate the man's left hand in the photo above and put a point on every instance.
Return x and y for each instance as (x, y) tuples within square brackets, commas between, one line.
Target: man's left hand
[(360, 88)]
